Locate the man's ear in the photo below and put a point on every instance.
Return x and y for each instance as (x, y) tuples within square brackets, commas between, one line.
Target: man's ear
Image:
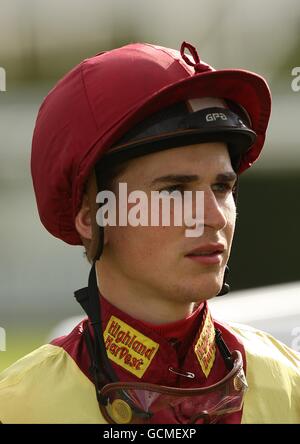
[(83, 220)]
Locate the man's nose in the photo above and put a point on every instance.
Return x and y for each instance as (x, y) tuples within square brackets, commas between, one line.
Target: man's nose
[(214, 214)]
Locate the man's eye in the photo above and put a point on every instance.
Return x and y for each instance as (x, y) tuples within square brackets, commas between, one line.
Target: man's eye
[(223, 187), (172, 188)]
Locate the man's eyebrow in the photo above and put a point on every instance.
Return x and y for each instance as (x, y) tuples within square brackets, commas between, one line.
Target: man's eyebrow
[(175, 178), (229, 176)]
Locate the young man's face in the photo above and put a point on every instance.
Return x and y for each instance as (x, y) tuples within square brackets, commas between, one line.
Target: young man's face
[(153, 260)]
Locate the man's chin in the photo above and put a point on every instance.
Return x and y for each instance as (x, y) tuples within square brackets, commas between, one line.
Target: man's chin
[(209, 290), (199, 293)]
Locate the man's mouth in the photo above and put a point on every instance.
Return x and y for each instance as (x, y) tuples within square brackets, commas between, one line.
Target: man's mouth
[(207, 254)]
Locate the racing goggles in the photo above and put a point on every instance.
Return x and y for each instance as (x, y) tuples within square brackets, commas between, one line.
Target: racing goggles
[(142, 403)]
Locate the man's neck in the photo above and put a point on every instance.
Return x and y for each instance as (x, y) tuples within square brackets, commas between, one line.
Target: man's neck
[(140, 303)]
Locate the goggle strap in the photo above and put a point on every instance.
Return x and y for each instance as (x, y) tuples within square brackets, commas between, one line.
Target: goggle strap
[(88, 298), (226, 355), (94, 369)]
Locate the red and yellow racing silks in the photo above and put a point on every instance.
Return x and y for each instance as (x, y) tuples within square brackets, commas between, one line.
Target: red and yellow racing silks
[(53, 384)]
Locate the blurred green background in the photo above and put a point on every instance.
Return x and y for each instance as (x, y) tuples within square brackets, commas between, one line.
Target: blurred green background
[(41, 40)]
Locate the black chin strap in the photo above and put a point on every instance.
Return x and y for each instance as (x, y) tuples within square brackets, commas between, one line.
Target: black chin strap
[(89, 300), (226, 287)]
